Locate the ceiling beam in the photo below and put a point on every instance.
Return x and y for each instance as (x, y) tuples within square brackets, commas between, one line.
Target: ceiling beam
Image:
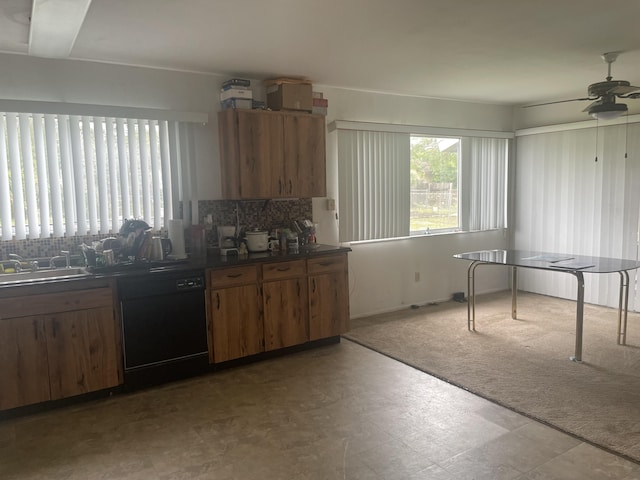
[(55, 25)]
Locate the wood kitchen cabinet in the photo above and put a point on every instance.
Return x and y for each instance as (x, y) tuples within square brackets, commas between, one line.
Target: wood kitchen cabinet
[(235, 323), (24, 375), (57, 345), (304, 164), (328, 296), (284, 299), (82, 351), (267, 154)]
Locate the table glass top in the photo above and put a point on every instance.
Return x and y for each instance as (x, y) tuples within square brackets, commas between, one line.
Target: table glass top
[(550, 261)]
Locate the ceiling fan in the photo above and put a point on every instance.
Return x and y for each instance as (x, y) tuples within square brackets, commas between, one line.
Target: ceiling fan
[(604, 94)]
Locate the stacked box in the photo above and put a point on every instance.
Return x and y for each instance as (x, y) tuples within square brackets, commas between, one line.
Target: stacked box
[(319, 105), (289, 94), (235, 93), (236, 83), (236, 103)]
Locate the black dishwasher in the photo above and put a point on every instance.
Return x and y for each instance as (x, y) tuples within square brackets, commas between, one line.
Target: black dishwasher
[(163, 326)]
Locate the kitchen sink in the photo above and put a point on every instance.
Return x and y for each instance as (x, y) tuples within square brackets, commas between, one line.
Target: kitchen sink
[(49, 274)]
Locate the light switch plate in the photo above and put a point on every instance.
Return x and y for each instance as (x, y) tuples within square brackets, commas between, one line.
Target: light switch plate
[(331, 204)]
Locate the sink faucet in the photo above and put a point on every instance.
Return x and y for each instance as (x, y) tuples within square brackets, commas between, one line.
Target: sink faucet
[(33, 264), (17, 265), (65, 254)]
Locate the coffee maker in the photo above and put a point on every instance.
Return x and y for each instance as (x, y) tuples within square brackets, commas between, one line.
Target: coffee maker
[(227, 240)]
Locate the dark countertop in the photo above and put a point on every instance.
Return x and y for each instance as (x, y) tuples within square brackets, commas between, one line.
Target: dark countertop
[(267, 257), (187, 265)]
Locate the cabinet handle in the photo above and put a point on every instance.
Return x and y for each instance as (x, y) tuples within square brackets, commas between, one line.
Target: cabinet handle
[(325, 264), (313, 288), (234, 275), (279, 185), (218, 301), (283, 269), (290, 186)]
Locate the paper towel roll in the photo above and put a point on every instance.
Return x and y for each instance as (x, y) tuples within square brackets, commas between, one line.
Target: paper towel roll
[(176, 235)]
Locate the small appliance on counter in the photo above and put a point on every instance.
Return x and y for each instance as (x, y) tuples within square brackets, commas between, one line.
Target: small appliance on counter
[(160, 248), (257, 241), (227, 240)]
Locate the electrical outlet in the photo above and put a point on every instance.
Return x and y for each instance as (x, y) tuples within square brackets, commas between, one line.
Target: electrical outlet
[(417, 276)]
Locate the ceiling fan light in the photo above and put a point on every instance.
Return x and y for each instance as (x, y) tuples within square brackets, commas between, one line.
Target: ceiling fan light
[(608, 111)]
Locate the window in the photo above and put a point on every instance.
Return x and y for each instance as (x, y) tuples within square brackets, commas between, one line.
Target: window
[(400, 183), (65, 175), (434, 184)]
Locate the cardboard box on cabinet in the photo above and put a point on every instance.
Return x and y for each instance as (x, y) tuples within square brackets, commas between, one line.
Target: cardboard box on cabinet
[(290, 96)]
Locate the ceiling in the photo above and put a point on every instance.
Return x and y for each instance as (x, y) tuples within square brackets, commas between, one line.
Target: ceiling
[(492, 51)]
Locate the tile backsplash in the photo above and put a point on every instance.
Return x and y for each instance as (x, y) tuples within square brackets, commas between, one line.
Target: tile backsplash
[(260, 214), (253, 214)]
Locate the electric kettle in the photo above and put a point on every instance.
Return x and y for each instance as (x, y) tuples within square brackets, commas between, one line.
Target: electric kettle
[(160, 248)]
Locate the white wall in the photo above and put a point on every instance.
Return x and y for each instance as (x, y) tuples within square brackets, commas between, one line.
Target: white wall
[(382, 273)]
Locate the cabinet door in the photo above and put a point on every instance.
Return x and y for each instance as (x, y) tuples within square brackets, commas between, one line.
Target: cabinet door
[(328, 305), (286, 320), (328, 296), (24, 371), (304, 156), (260, 152), (236, 323), (82, 351)]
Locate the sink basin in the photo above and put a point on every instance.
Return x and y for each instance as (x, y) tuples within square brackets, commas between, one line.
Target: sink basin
[(58, 273)]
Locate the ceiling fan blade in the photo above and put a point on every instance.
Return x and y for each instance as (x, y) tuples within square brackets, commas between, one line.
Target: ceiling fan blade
[(561, 101), (623, 89)]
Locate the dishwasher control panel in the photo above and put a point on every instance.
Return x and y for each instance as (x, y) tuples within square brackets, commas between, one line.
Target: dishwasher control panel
[(189, 283)]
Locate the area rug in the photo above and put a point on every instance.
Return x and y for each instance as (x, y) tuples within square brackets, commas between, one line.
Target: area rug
[(524, 364)]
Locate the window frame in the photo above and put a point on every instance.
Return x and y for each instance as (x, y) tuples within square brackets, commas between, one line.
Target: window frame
[(464, 170)]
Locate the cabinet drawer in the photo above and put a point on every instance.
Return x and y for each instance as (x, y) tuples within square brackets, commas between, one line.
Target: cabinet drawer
[(276, 271), (48, 303), (231, 276), (334, 263)]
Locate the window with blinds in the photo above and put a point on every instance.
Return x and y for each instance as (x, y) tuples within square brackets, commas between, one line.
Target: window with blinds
[(395, 184), (66, 175)]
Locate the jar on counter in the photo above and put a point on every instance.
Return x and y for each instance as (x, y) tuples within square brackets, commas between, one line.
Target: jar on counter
[(292, 243)]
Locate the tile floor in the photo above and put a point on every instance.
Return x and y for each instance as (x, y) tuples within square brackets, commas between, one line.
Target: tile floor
[(336, 412)]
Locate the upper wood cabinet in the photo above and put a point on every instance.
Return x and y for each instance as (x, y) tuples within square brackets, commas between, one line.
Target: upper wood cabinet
[(267, 154)]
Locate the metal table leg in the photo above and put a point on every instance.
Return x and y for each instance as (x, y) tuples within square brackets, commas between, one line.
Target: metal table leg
[(623, 308), (471, 294), (514, 293), (579, 317)]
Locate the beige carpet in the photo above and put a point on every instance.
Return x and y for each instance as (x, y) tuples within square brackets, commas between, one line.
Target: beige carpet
[(524, 364)]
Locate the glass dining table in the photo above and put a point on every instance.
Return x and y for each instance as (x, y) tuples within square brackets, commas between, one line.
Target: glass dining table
[(576, 265)]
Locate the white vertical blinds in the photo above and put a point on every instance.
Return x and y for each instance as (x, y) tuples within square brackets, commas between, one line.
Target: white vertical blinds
[(374, 184), (66, 175), (569, 203), (486, 185)]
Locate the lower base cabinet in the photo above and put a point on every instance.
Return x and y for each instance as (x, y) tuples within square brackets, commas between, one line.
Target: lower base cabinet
[(81, 351), (269, 306), (24, 375), (328, 296), (235, 323), (50, 356)]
